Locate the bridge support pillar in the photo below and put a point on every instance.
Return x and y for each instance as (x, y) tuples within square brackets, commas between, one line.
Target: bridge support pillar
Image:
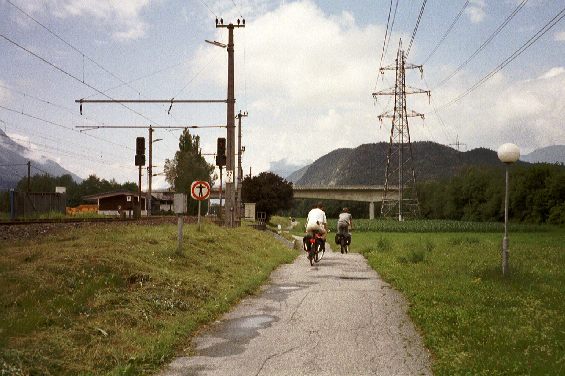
[(371, 210)]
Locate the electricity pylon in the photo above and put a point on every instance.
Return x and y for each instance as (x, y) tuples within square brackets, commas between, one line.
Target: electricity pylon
[(399, 160)]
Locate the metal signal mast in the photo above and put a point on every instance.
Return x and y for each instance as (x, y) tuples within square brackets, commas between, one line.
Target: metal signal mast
[(399, 160)]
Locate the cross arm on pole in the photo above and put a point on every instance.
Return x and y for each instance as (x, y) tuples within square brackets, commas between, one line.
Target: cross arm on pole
[(151, 101)]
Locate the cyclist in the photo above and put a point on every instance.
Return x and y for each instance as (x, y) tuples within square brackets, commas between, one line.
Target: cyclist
[(316, 221), (344, 222)]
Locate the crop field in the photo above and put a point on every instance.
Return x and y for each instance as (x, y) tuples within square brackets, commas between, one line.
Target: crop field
[(473, 320)]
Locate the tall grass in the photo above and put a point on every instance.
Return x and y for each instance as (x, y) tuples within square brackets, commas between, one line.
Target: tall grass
[(474, 320), (117, 299)]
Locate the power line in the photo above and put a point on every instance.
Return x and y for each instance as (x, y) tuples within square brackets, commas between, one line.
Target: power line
[(416, 27), (73, 47), (447, 32), (237, 6), (384, 42), (206, 5), (511, 58), (39, 169), (444, 127), (391, 28), (484, 44), (13, 164)]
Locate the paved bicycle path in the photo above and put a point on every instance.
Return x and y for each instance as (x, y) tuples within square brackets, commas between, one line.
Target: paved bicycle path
[(336, 318)]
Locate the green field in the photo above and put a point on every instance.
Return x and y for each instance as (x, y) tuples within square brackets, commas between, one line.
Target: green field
[(116, 299), (473, 320)]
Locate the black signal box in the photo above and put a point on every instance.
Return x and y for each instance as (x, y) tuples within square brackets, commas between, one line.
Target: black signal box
[(221, 160), (140, 160), (140, 146)]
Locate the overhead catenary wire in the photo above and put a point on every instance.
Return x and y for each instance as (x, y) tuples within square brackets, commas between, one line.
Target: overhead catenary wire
[(73, 76), (73, 47), (61, 125), (142, 77), (548, 26), (48, 148), (484, 44), (51, 139), (59, 106), (123, 83)]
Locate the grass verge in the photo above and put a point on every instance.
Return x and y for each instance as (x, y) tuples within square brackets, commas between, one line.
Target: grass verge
[(116, 299), (473, 320)]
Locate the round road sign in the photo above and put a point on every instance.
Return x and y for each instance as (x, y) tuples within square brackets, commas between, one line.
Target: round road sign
[(200, 190)]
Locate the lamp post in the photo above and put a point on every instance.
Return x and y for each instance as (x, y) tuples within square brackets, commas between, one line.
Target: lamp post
[(508, 154)]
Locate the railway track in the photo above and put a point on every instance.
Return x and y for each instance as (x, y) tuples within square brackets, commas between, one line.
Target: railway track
[(156, 219)]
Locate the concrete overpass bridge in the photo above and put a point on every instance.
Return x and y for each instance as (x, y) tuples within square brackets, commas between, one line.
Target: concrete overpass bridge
[(363, 193)]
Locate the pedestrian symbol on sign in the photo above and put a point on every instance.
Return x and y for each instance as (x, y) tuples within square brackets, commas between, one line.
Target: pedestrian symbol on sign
[(200, 190)]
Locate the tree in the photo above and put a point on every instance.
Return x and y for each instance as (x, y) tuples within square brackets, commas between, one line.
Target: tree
[(268, 191), (188, 165)]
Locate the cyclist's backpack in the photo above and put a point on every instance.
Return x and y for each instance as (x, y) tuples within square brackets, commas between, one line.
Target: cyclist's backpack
[(348, 239), (337, 238)]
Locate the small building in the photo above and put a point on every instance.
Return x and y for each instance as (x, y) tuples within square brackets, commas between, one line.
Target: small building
[(112, 203), (163, 201)]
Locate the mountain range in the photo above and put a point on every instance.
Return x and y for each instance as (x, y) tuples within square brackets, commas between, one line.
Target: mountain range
[(549, 154), (366, 164), (13, 163)]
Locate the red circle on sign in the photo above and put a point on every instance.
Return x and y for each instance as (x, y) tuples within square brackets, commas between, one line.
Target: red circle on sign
[(200, 190)]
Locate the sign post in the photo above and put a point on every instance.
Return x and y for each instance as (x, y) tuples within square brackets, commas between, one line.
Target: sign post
[(199, 190), (180, 209)]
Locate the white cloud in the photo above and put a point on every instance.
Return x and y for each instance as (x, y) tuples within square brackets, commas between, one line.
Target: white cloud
[(553, 72), (528, 112), (122, 17), (476, 10), (4, 93), (315, 73), (559, 36)]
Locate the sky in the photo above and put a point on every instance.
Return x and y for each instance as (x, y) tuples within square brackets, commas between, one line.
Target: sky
[(305, 72)]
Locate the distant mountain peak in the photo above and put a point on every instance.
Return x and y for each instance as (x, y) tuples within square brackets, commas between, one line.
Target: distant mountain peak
[(13, 163), (548, 154), (366, 164)]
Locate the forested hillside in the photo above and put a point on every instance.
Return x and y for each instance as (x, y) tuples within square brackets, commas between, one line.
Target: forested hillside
[(365, 165), (451, 184)]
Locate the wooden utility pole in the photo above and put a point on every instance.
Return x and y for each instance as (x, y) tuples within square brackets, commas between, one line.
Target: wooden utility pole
[(149, 173), (28, 176), (230, 123)]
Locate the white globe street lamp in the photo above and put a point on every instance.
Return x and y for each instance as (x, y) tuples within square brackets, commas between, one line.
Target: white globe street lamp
[(508, 154)]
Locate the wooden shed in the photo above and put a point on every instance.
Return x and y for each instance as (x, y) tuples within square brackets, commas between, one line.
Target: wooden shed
[(111, 203)]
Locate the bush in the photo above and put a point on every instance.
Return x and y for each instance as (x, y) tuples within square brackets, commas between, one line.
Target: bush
[(557, 215)]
